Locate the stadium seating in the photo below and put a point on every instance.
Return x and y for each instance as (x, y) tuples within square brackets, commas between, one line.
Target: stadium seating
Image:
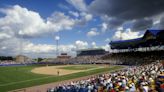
[(150, 38), (144, 78)]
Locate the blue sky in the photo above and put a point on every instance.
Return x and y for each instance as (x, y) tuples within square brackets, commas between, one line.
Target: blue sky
[(32, 25), (46, 8)]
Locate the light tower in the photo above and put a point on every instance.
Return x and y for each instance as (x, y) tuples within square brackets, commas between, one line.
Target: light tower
[(57, 38)]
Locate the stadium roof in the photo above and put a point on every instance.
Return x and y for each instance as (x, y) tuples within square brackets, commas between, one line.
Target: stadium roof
[(143, 41), (90, 49), (131, 40), (154, 32)]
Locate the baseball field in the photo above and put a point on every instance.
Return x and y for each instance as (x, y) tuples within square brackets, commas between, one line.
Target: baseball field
[(17, 77)]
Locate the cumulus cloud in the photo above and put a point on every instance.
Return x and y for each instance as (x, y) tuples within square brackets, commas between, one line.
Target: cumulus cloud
[(111, 22), (106, 47), (107, 40), (45, 48), (63, 6), (121, 11), (78, 4), (92, 32), (38, 48), (142, 24), (57, 37), (68, 48), (158, 22), (161, 23), (104, 27), (18, 24), (17, 46), (128, 34), (4, 36), (59, 21), (94, 45), (114, 23), (76, 14), (21, 21), (85, 18), (128, 9), (81, 44), (10, 46)]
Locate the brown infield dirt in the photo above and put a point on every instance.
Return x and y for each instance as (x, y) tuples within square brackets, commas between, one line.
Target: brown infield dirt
[(54, 70)]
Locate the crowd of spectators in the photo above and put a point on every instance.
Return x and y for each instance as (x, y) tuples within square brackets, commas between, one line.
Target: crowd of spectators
[(143, 78), (124, 58), (134, 58), (7, 62), (90, 59)]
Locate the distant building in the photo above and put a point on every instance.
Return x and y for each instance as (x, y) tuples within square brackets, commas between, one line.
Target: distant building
[(93, 51), (63, 57), (22, 59)]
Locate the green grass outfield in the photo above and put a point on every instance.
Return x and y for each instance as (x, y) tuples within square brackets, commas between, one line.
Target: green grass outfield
[(16, 77)]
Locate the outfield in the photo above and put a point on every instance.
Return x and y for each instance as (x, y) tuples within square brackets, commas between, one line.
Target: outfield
[(16, 77)]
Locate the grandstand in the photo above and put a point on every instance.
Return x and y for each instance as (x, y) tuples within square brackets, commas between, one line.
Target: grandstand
[(64, 56), (146, 49), (134, 79), (93, 51), (151, 38)]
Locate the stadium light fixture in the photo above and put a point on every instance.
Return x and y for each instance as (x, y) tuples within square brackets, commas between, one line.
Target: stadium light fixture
[(57, 38)]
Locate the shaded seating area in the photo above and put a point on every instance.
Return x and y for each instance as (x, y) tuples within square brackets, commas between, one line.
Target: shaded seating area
[(150, 38)]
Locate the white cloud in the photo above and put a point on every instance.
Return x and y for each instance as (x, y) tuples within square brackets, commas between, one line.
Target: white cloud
[(93, 32), (104, 27), (120, 28), (128, 34), (106, 47), (59, 21), (4, 36), (63, 6), (10, 46), (76, 14), (67, 48), (21, 21), (57, 37), (85, 18), (107, 40), (81, 44), (15, 46), (43, 49), (158, 22), (78, 4), (94, 45), (39, 48)]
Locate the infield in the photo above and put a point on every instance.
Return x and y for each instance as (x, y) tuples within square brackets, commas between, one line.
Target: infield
[(64, 69), (18, 77)]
